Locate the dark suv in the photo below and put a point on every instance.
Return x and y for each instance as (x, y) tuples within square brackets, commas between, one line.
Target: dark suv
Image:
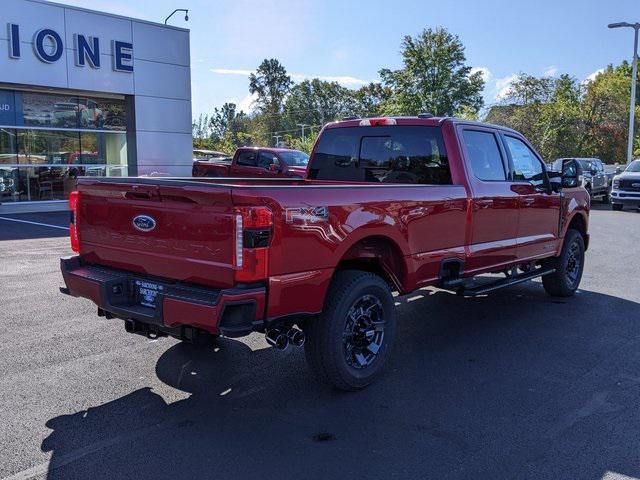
[(594, 178)]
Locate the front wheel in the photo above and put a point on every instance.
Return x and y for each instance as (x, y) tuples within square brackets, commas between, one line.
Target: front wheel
[(569, 267), (349, 344)]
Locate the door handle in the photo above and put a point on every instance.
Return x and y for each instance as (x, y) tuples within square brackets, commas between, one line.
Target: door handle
[(483, 203)]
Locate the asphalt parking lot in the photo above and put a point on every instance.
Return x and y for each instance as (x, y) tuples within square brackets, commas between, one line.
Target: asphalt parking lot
[(515, 385)]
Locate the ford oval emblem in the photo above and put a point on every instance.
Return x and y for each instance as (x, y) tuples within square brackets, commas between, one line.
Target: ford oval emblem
[(144, 223)]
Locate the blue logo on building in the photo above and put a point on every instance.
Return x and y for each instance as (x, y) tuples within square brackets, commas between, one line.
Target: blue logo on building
[(48, 47)]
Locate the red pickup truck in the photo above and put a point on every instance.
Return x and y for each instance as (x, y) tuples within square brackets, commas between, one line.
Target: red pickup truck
[(390, 204), (255, 162)]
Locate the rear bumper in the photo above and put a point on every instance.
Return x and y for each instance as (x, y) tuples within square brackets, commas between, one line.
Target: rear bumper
[(232, 312)]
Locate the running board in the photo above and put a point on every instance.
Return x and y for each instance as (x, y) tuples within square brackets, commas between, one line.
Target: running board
[(505, 282)]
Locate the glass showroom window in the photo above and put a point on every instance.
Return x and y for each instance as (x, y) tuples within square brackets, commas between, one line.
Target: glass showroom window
[(105, 152), (51, 139), (9, 178), (50, 153)]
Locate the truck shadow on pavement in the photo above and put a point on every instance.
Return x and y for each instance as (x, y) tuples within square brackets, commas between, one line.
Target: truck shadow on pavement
[(516, 385)]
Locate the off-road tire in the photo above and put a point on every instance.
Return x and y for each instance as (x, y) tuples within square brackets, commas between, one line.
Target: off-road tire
[(326, 349), (565, 280)]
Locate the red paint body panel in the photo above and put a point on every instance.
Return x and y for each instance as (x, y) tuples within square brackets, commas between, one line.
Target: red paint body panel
[(411, 229)]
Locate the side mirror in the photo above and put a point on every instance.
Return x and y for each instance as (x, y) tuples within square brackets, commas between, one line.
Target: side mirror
[(618, 170), (555, 181), (570, 173)]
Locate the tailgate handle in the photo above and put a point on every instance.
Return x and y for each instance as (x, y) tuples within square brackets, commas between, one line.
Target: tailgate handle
[(138, 195)]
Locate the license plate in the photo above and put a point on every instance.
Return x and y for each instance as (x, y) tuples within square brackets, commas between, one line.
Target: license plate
[(147, 293)]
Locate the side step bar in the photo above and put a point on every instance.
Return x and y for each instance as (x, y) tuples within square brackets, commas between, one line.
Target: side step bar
[(505, 282)]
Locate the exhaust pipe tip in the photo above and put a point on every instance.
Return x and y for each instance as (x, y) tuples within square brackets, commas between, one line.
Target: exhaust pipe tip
[(296, 337), (277, 339)]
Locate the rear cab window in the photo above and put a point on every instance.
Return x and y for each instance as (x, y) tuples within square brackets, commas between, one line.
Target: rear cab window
[(383, 154), (248, 158)]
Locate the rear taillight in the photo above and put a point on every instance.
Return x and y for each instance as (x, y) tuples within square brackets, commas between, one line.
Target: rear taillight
[(253, 229), (74, 207), (377, 122)]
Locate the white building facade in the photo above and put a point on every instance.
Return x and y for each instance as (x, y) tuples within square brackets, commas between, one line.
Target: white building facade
[(87, 93)]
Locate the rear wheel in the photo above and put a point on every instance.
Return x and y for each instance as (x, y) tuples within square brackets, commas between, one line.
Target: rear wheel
[(569, 267), (349, 344), (617, 206)]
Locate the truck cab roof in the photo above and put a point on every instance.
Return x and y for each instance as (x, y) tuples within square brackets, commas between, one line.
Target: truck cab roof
[(413, 121)]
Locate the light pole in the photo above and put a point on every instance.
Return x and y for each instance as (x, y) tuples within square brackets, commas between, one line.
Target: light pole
[(634, 76), (302, 125), (186, 14)]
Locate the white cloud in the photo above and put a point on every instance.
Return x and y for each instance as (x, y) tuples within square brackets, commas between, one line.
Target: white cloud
[(503, 85), (345, 80), (341, 79), (486, 73), (231, 71), (246, 104), (593, 76), (550, 71)]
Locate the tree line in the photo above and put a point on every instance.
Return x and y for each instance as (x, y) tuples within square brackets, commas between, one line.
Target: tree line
[(561, 116)]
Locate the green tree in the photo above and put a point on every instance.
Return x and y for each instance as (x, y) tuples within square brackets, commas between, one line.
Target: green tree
[(270, 84), (200, 131), (546, 110), (316, 102), (434, 77), (304, 144), (369, 99), (605, 114)]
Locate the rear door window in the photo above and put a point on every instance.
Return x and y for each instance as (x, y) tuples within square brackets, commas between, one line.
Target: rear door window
[(248, 159), (484, 155), (390, 154)]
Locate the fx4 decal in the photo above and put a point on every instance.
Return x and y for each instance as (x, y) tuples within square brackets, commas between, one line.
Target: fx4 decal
[(307, 214)]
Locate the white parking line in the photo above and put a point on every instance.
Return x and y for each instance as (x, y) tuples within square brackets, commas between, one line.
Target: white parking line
[(33, 223)]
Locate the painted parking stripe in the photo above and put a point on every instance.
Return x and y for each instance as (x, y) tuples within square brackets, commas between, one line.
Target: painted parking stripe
[(33, 223)]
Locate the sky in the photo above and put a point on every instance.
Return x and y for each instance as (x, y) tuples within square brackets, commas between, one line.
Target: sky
[(351, 40)]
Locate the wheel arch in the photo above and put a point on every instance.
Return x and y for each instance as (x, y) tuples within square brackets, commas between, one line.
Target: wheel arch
[(377, 254), (579, 222)]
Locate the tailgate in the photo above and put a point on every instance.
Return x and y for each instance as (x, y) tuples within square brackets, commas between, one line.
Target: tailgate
[(166, 229)]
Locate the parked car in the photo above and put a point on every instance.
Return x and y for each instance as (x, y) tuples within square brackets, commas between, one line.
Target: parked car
[(200, 154), (389, 204), (9, 180), (594, 178), (255, 162), (626, 187)]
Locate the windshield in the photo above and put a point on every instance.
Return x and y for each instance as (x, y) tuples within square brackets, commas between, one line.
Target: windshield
[(585, 164), (633, 167), (295, 158)]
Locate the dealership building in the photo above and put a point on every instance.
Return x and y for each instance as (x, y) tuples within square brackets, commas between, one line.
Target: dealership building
[(87, 93)]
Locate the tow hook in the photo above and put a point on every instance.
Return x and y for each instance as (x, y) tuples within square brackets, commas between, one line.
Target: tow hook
[(280, 339)]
